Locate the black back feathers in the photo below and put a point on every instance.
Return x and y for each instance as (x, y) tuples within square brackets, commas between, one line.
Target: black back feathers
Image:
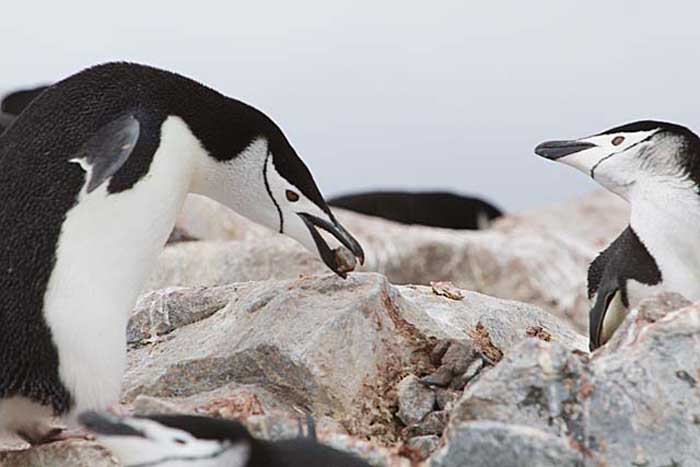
[(15, 102), (435, 209)]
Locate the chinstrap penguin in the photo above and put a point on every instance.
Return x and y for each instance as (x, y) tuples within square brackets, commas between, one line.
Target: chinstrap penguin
[(92, 176), (655, 166), (435, 209), (196, 441)]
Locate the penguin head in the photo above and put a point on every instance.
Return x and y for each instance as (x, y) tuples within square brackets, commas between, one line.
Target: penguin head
[(171, 440), (624, 158), (260, 176)]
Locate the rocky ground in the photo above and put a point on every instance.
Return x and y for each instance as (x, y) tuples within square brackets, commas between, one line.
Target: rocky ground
[(449, 349)]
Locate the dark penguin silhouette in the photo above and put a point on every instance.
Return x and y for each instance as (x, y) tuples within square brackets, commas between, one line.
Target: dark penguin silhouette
[(435, 209), (655, 166), (170, 440), (92, 176)]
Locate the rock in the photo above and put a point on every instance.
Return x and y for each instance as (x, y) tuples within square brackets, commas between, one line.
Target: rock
[(215, 263), (162, 311), (433, 423), (441, 377), (416, 400), (539, 258), (647, 311), (60, 454), (472, 370), (592, 220), (425, 445), (328, 346), (147, 405), (636, 398), (494, 444), (446, 398)]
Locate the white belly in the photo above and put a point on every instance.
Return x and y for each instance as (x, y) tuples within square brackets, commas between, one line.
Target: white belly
[(108, 245)]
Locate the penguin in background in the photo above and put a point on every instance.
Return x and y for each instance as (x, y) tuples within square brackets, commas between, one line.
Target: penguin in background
[(433, 209), (92, 176), (655, 166), (196, 441)]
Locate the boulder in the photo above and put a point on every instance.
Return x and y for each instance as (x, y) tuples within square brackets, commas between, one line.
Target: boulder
[(635, 400), (72, 453), (494, 444), (326, 345)]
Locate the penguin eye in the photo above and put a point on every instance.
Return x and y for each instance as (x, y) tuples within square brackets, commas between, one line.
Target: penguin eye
[(291, 196), (618, 140)]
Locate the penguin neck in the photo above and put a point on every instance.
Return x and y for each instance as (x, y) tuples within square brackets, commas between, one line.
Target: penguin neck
[(666, 218)]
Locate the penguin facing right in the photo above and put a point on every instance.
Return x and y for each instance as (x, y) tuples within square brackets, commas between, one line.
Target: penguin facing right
[(655, 166), (433, 209), (196, 441), (92, 176)]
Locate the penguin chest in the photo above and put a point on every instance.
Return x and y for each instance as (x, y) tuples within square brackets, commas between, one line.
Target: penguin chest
[(681, 276), (108, 245)]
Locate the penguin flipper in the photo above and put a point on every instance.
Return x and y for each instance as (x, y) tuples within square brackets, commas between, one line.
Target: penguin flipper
[(109, 148)]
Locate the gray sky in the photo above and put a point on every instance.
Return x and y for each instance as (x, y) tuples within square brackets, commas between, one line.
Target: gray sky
[(418, 95)]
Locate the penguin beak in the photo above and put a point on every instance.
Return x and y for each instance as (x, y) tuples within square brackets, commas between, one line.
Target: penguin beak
[(338, 231), (106, 425), (554, 150)]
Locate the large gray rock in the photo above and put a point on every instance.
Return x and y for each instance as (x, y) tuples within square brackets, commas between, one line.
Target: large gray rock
[(635, 401), (61, 454), (327, 345), (494, 444), (539, 258)]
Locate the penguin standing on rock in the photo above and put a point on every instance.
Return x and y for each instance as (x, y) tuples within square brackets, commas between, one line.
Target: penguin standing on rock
[(92, 176), (655, 166), (195, 441)]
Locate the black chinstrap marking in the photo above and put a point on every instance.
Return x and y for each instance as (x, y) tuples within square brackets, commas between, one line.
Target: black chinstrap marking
[(269, 192), (595, 166)]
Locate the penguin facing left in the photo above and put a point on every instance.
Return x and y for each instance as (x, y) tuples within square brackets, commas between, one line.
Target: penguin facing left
[(655, 166), (92, 176), (196, 441)]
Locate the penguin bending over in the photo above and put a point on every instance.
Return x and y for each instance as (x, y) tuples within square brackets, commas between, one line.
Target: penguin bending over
[(655, 166), (92, 176), (435, 209), (196, 441)]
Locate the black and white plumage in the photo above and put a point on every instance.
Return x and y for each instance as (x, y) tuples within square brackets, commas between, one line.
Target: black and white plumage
[(92, 176), (435, 209), (655, 166), (195, 441)]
